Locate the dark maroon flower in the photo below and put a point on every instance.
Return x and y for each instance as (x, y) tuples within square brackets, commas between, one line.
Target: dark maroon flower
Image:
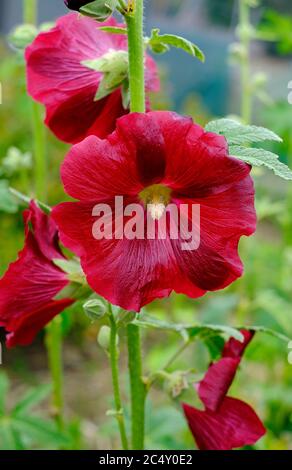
[(58, 78), (29, 288), (157, 158), (226, 423), (77, 4)]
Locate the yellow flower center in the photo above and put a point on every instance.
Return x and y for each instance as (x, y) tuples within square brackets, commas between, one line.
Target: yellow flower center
[(155, 198)]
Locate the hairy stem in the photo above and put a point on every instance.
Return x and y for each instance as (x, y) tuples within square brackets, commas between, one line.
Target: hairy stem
[(246, 96), (136, 57), (134, 20), (54, 347), (138, 392), (116, 384)]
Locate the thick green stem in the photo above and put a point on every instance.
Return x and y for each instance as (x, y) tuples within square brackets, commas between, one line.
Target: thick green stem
[(138, 389), (244, 33), (136, 57), (54, 347), (114, 356), (134, 19), (30, 11)]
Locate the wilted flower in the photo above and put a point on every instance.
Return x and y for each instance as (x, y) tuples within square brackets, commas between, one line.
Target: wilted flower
[(226, 423), (29, 289)]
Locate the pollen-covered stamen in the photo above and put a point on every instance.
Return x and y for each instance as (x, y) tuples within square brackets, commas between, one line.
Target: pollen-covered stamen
[(156, 198)]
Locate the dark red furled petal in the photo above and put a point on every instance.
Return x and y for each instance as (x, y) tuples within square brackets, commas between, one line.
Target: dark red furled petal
[(233, 426), (234, 348), (215, 384), (30, 285)]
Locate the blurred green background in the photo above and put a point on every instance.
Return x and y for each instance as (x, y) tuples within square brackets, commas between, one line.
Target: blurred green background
[(262, 297)]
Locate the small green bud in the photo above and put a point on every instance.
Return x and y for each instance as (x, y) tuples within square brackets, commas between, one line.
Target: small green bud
[(176, 383), (22, 36), (104, 338), (237, 52), (260, 80), (95, 309), (246, 32)]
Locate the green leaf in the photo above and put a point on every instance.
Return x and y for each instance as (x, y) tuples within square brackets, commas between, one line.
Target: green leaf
[(100, 10), (31, 399), (113, 29), (40, 430), (189, 331), (4, 387), (206, 331), (114, 65), (261, 157), (269, 331), (7, 440), (161, 43), (238, 134), (71, 267), (7, 201)]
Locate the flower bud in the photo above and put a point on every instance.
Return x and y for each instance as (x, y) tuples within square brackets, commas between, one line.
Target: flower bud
[(22, 36), (260, 80), (76, 4), (95, 309), (104, 338), (177, 383), (237, 52)]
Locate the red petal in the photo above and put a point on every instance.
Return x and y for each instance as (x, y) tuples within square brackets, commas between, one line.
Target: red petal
[(234, 348), (215, 385), (143, 137), (128, 273), (97, 170), (24, 328), (198, 162), (234, 425)]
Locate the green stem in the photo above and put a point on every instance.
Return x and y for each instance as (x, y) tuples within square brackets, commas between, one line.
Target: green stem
[(114, 355), (246, 96), (134, 20), (138, 390), (54, 347), (30, 11), (136, 57)]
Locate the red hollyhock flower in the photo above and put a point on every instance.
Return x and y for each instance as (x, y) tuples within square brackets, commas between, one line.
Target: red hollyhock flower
[(226, 423), (31, 284), (158, 157), (57, 78)]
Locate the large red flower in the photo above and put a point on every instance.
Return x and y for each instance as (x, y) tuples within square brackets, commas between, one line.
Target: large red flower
[(57, 78), (157, 158), (29, 288), (226, 423)]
